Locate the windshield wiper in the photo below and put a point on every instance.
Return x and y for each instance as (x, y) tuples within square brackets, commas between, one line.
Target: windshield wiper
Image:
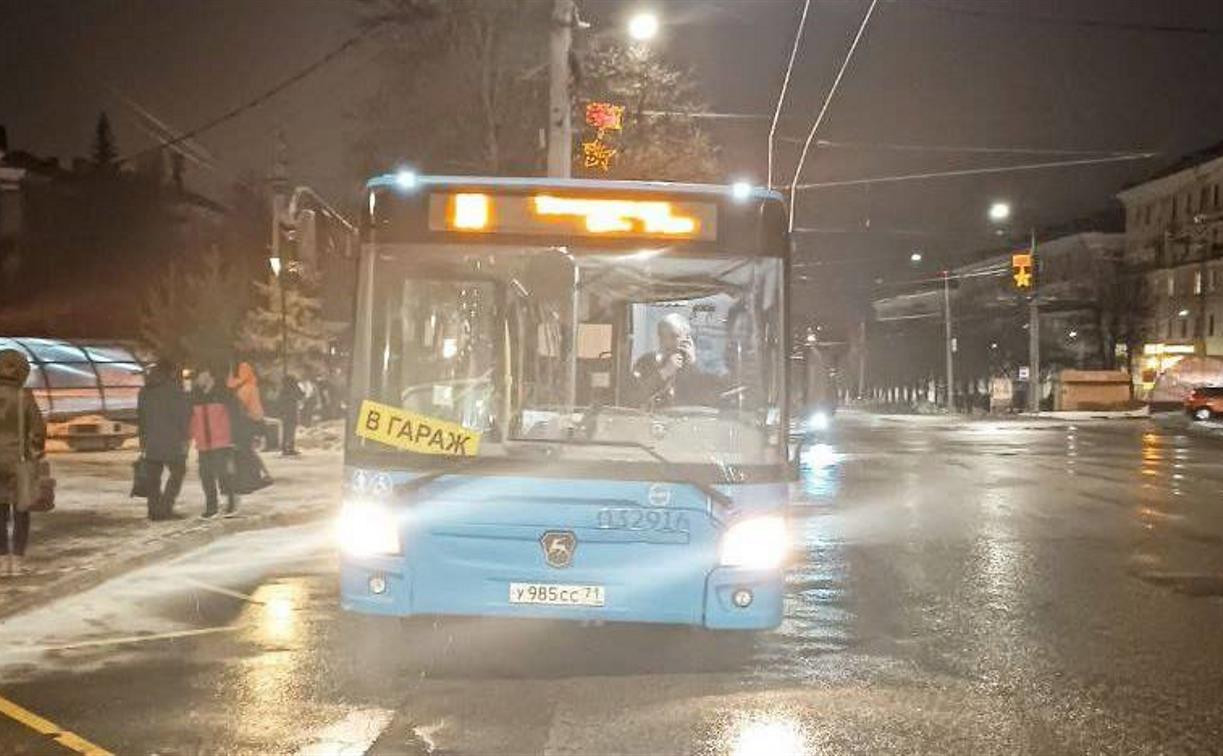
[(424, 479), (714, 494)]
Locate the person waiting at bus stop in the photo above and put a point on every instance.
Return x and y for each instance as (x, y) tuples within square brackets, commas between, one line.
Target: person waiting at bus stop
[(23, 434), (290, 410), (213, 410), (670, 376), (249, 424), (163, 413)]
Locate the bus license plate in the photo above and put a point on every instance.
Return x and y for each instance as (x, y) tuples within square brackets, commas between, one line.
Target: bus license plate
[(552, 594)]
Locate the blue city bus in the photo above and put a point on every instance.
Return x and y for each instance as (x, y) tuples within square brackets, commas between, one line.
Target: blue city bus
[(525, 437)]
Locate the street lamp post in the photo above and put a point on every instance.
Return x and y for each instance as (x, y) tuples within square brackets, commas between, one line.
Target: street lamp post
[(560, 126), (1000, 212), (276, 264), (950, 345), (642, 27), (1033, 338)]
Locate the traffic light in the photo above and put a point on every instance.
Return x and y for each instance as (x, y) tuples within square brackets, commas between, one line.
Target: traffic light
[(1021, 270)]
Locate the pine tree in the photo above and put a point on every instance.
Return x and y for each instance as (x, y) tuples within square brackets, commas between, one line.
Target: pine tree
[(261, 335), (192, 315), (104, 151)]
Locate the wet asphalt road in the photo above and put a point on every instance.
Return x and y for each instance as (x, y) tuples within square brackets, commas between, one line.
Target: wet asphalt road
[(966, 588)]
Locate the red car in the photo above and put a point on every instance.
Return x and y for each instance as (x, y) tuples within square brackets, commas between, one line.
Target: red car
[(1205, 402)]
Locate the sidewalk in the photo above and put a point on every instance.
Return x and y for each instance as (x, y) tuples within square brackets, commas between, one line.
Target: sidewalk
[(97, 531)]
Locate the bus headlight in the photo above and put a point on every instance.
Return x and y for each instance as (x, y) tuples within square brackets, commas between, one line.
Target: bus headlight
[(366, 528), (758, 543)]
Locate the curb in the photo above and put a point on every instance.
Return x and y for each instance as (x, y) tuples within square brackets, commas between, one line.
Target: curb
[(1142, 414), (80, 582), (1185, 425)]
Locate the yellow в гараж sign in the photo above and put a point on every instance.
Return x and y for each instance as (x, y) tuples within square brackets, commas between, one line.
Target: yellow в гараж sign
[(416, 433)]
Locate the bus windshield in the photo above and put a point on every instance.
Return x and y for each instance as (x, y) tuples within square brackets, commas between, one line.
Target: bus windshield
[(594, 355)]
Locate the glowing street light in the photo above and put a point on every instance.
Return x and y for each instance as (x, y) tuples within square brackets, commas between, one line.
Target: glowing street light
[(999, 211), (643, 26), (916, 257)]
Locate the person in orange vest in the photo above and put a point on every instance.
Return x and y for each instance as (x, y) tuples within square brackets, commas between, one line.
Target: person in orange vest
[(245, 385), (213, 411)]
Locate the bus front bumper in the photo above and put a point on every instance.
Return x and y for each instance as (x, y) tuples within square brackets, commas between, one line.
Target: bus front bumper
[(734, 599)]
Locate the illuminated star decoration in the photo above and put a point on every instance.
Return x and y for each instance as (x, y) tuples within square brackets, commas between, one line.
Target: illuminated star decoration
[(1021, 267), (604, 117), (596, 154)]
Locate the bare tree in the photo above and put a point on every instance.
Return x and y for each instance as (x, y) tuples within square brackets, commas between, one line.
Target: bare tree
[(660, 140), (463, 87)]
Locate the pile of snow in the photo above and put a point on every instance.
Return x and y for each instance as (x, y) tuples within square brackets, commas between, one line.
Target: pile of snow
[(328, 434)]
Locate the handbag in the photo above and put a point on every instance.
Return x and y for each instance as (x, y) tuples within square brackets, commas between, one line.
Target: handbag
[(250, 474), (44, 500), (141, 483)]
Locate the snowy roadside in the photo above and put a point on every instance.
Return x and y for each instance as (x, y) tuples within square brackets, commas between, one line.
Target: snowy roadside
[(97, 531)]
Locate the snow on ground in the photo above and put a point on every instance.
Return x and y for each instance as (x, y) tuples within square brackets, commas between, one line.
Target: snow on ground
[(328, 434), (97, 525), (94, 624)]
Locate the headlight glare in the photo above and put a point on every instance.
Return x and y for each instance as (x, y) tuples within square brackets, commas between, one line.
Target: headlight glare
[(757, 543), (366, 528)]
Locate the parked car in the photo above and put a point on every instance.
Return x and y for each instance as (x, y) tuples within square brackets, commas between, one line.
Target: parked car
[(1205, 402)]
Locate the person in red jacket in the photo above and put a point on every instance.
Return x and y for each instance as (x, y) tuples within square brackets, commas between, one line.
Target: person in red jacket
[(213, 413)]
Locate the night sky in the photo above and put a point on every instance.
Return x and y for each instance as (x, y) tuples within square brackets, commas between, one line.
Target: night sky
[(1090, 75)]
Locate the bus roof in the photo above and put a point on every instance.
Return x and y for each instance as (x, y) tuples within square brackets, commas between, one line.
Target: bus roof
[(408, 179)]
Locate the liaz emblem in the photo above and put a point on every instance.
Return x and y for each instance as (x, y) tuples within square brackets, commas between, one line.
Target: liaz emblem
[(558, 546)]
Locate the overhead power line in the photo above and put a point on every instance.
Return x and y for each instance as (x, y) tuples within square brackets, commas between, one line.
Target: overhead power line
[(262, 97), (889, 231), (825, 143), (785, 84), (973, 171), (827, 101), (707, 115)]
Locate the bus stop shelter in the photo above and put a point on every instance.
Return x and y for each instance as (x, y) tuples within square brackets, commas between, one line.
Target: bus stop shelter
[(76, 379)]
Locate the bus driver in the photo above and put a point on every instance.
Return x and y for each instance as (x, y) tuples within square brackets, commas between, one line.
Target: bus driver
[(669, 376)]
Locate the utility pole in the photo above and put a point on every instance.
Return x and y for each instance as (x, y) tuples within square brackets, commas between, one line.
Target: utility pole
[(862, 360), (950, 341), (560, 129), (1033, 338), (279, 186)]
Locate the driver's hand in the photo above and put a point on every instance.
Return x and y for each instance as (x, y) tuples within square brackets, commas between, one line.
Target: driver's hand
[(673, 363), (689, 350)]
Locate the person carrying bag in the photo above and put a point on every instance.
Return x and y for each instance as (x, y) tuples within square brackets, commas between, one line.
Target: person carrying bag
[(25, 482), (163, 413)]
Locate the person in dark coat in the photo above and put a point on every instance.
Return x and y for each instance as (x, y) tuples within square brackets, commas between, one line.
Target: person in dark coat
[(163, 412), (290, 406), (19, 413), (213, 413)]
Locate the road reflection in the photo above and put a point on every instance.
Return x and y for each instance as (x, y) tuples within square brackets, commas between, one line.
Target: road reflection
[(767, 735), (820, 472), (272, 683)]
